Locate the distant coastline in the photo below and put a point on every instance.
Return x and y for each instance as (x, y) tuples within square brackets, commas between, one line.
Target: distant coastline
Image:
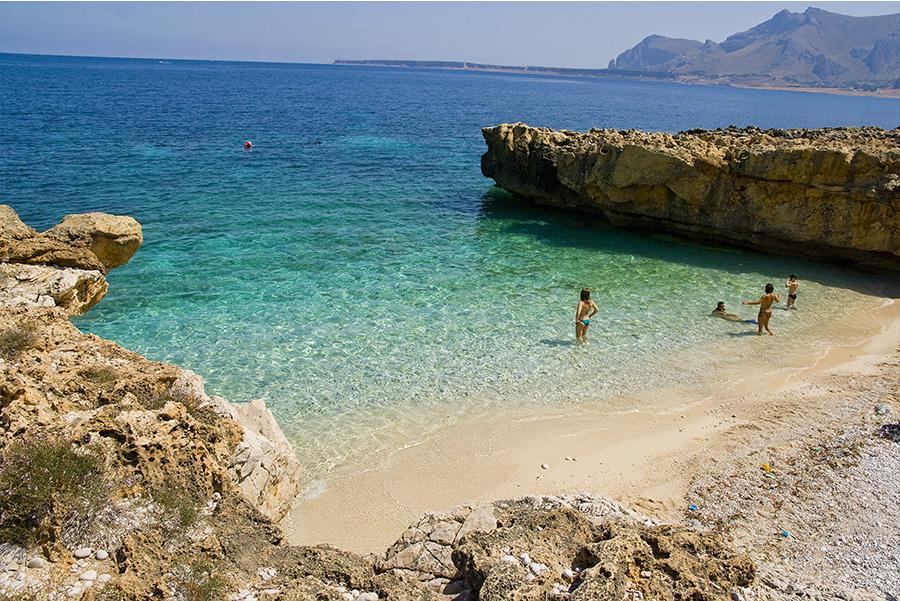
[(608, 73), (467, 66)]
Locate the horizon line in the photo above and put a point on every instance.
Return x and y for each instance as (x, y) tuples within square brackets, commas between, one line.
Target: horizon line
[(334, 62)]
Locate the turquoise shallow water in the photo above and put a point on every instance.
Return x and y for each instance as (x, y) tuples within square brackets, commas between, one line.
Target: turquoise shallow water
[(356, 266)]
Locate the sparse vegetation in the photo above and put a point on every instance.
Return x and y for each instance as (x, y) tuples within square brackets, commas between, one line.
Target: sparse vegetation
[(179, 501), (199, 582), (44, 484), (100, 374), (15, 339)]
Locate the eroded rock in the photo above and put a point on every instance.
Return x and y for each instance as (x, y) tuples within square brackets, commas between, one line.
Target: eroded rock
[(833, 193), (73, 290), (112, 238)]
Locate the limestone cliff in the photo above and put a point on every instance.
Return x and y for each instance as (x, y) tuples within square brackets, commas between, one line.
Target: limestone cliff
[(831, 194)]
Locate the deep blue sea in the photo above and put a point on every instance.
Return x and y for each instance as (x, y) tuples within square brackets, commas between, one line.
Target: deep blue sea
[(355, 265)]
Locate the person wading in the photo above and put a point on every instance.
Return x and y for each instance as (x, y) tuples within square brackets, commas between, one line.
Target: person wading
[(765, 303), (583, 314)]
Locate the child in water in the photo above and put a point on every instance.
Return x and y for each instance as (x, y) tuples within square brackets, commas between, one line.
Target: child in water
[(583, 314), (765, 303)]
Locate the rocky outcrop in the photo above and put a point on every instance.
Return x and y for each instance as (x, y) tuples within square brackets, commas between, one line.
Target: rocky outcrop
[(113, 239), (37, 272), (66, 265), (573, 547), (263, 464), (75, 290), (831, 194)]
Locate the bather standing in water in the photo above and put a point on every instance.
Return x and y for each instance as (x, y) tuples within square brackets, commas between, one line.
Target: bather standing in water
[(765, 303), (583, 314), (792, 285)]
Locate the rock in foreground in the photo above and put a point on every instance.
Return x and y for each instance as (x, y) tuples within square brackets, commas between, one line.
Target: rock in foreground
[(830, 194)]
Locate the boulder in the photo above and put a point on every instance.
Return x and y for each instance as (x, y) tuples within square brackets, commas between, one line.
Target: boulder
[(11, 226), (112, 238)]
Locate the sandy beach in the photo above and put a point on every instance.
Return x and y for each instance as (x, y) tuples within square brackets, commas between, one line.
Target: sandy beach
[(648, 458)]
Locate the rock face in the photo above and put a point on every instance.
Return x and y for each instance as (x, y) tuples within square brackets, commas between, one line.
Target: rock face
[(826, 194)]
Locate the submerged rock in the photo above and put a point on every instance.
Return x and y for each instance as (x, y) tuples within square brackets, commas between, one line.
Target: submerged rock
[(829, 193)]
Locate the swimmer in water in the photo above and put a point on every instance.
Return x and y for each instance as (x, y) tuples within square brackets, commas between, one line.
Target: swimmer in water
[(765, 303), (719, 311), (792, 285), (248, 145), (583, 314)]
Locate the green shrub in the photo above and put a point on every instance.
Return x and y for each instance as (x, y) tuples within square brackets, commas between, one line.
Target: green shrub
[(14, 340), (45, 483)]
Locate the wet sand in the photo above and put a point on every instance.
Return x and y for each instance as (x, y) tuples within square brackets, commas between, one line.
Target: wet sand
[(646, 457)]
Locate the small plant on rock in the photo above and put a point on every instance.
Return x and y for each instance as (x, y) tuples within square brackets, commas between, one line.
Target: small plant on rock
[(100, 374), (45, 485), (198, 582), (15, 339)]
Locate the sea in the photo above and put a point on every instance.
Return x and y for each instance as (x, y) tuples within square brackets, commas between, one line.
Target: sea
[(355, 269)]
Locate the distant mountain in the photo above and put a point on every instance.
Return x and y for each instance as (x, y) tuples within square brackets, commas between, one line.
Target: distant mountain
[(814, 48)]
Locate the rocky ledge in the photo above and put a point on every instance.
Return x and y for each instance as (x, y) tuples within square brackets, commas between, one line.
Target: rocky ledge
[(122, 479), (831, 194)]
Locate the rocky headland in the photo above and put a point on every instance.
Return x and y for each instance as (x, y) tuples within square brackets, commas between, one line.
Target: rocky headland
[(121, 478), (827, 194)]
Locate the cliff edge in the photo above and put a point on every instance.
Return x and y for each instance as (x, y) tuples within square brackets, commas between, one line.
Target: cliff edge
[(827, 194)]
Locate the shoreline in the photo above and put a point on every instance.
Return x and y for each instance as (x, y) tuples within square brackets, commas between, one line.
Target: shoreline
[(878, 93), (644, 458)]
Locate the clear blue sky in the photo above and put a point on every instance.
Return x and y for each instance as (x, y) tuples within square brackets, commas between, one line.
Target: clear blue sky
[(536, 33)]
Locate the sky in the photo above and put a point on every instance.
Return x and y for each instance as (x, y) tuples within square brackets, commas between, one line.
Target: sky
[(582, 34)]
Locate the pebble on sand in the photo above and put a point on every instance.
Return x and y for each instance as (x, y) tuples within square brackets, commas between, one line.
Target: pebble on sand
[(82, 553), (101, 554), (89, 575), (545, 466)]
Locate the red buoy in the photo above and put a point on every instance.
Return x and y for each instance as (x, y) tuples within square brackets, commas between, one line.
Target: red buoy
[(248, 145)]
